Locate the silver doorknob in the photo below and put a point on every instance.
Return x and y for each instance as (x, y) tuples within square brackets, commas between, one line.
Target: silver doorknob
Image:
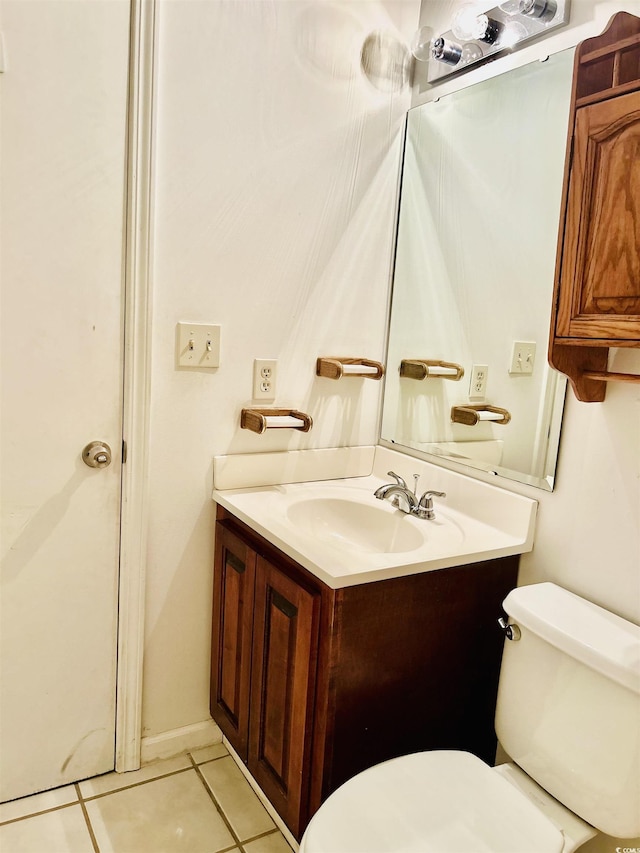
[(97, 454)]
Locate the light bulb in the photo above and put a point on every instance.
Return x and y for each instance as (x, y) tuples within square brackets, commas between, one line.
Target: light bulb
[(510, 7), (471, 53), (512, 33), (421, 44), (492, 30), (468, 25), (545, 10)]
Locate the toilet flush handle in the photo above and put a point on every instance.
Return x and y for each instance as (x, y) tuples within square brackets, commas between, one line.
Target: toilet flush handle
[(511, 632)]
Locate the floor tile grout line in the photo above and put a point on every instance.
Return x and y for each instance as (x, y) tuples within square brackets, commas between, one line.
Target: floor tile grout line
[(83, 806), (214, 800), (38, 813), (92, 797), (274, 831), (208, 760), (253, 838), (194, 765)]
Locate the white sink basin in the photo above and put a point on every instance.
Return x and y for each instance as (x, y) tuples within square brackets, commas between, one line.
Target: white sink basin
[(374, 527), (351, 524), (342, 534)]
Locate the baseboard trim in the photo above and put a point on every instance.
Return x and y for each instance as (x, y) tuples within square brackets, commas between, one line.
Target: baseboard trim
[(273, 814), (177, 741)]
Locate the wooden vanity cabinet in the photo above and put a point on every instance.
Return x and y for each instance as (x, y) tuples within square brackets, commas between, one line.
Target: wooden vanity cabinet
[(264, 653), (311, 685), (234, 585), (597, 290)]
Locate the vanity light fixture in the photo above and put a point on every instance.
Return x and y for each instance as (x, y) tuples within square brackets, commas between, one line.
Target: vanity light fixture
[(478, 34)]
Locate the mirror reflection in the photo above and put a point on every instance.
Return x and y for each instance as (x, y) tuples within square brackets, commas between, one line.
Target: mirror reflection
[(467, 375)]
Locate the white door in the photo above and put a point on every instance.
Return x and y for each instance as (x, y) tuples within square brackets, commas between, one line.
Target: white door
[(63, 139)]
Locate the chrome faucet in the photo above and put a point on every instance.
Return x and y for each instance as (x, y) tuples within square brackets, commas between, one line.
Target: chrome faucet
[(395, 492), (422, 508), (383, 490)]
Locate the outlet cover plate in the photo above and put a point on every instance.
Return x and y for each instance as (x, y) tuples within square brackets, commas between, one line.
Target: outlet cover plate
[(478, 382), (264, 379)]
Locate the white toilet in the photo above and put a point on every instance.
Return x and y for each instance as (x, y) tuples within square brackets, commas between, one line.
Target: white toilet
[(568, 714)]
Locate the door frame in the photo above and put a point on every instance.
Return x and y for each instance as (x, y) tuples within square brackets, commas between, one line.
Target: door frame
[(136, 383)]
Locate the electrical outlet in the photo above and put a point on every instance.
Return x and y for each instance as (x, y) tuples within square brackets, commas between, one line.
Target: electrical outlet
[(523, 356), (264, 378), (478, 383)]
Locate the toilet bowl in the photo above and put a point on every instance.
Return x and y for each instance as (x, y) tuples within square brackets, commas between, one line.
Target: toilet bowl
[(568, 713), (439, 802)]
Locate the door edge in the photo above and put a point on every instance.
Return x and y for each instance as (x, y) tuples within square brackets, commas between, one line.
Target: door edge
[(136, 384)]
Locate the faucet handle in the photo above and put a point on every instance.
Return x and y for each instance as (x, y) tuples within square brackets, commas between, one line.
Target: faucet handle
[(431, 492), (425, 504), (397, 478)]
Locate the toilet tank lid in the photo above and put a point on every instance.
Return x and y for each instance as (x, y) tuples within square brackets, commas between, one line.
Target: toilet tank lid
[(603, 641)]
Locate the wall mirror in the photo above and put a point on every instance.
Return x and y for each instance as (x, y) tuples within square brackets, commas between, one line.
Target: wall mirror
[(473, 281)]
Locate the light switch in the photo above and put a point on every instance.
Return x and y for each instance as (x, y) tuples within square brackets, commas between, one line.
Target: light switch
[(523, 356), (198, 345)]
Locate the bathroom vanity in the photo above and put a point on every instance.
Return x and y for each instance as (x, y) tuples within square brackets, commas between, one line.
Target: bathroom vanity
[(312, 684)]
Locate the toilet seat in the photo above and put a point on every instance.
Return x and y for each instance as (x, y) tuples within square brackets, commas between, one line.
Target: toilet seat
[(430, 802)]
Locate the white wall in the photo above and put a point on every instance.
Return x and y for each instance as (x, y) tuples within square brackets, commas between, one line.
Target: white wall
[(588, 531), (276, 173)]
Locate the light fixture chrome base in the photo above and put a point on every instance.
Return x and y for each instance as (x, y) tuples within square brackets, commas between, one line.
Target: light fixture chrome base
[(531, 20)]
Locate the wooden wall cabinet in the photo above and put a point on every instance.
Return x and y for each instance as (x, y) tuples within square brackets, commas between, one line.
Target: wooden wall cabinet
[(597, 288), (311, 685)]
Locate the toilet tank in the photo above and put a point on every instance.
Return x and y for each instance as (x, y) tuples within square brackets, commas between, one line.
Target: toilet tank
[(568, 708)]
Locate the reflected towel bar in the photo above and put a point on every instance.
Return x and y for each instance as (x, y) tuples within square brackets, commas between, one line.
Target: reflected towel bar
[(430, 369), (472, 415)]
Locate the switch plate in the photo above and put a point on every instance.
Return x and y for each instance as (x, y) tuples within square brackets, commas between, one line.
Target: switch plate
[(198, 345), (264, 378), (523, 356), (478, 382)]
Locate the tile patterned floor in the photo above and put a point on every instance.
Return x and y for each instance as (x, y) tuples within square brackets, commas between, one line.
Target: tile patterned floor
[(195, 803)]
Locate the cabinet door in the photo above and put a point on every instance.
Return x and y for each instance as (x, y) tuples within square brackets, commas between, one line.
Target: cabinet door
[(600, 283), (233, 589), (283, 682)]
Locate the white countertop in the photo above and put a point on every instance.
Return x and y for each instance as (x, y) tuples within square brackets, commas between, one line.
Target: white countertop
[(476, 522)]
